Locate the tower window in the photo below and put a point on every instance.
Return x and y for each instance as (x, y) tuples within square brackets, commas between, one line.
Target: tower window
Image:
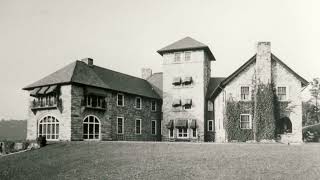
[(282, 93), (177, 57)]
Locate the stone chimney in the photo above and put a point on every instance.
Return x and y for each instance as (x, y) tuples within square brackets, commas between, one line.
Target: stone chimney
[(88, 61), (263, 63), (146, 73)]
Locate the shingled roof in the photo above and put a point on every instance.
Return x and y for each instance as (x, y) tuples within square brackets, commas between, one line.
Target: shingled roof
[(246, 64), (186, 44), (81, 73)]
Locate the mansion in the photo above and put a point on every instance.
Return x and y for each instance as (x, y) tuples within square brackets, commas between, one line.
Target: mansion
[(184, 102)]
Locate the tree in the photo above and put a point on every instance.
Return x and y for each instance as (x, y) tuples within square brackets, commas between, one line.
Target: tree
[(315, 93)]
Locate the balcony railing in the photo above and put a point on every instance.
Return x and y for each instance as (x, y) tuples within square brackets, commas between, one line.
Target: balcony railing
[(45, 105)]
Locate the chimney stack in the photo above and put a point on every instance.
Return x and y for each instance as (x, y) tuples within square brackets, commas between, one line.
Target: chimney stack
[(146, 73), (88, 61), (263, 62)]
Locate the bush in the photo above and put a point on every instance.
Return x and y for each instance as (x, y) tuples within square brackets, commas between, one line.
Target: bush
[(42, 141)]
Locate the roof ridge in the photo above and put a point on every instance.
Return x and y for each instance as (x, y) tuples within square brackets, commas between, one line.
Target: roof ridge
[(118, 72), (76, 63)]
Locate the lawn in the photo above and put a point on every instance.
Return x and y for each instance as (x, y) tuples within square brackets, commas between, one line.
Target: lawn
[(138, 160)]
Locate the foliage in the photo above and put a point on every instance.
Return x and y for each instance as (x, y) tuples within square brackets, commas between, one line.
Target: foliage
[(232, 121), (264, 121), (315, 93), (311, 133), (42, 141), (309, 115)]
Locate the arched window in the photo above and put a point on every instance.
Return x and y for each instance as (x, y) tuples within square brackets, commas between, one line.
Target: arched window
[(49, 127), (91, 128)]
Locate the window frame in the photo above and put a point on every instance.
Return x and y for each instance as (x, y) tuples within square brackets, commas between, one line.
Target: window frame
[(122, 125), (155, 127), (91, 123), (43, 122), (185, 59), (244, 86), (175, 57), (250, 120), (135, 126), (208, 128), (286, 95), (135, 104), (155, 105), (121, 94), (182, 133)]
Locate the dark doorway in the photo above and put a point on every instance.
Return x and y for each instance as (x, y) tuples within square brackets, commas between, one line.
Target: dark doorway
[(284, 125)]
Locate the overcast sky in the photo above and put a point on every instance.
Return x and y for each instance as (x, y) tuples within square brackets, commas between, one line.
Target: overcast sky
[(39, 37)]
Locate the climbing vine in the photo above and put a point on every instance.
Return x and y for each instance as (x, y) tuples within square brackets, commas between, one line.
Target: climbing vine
[(232, 120), (264, 125)]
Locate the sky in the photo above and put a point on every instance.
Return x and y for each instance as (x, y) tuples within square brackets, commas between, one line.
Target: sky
[(38, 37)]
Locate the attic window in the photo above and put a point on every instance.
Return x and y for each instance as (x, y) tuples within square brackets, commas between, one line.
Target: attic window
[(282, 93), (187, 103), (244, 93)]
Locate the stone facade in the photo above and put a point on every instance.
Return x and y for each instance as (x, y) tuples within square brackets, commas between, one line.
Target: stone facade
[(259, 72), (197, 68), (62, 114)]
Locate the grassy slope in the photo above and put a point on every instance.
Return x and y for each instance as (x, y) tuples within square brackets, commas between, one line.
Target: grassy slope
[(13, 130), (121, 160)]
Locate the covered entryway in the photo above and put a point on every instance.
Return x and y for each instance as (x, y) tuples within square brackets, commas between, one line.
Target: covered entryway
[(284, 126)]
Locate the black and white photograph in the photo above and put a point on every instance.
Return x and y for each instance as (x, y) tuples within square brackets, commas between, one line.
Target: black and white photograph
[(160, 90)]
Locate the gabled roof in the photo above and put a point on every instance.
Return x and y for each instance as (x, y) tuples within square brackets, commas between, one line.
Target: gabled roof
[(214, 84), (156, 82), (185, 44), (81, 73), (249, 62)]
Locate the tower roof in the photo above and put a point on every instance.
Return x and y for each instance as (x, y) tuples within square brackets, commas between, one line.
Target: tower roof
[(185, 44)]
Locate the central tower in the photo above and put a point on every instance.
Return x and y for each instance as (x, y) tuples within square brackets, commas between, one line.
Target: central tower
[(186, 73)]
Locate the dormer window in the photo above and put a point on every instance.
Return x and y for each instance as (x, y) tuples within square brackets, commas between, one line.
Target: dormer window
[(187, 80), (177, 57), (187, 56), (176, 81)]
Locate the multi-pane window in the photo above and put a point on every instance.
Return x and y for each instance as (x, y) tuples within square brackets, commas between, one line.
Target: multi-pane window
[(177, 57), (245, 121), (244, 93), (138, 103), (153, 105), (49, 128), (153, 127), (182, 132), (120, 125), (91, 128), (120, 99), (94, 101), (210, 125), (282, 93), (138, 126), (187, 56)]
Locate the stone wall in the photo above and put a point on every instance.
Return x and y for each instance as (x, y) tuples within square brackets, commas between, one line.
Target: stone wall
[(194, 68), (63, 114), (280, 77), (108, 117)]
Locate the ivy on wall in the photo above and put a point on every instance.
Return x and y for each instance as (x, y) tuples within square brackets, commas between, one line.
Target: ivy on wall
[(232, 120), (265, 112), (264, 123)]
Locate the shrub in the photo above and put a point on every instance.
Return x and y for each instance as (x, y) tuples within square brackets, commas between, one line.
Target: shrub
[(42, 141)]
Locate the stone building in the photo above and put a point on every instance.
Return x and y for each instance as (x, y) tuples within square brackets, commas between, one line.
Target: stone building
[(83, 101)]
